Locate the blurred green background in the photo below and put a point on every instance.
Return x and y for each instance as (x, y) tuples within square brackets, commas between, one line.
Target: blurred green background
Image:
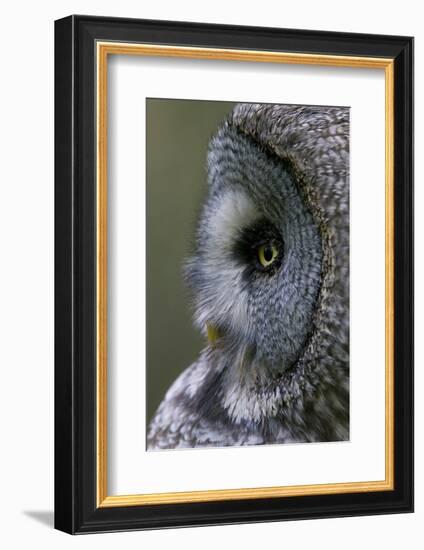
[(177, 136)]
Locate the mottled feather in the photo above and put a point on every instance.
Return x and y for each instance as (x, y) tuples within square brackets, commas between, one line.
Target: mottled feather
[(279, 371)]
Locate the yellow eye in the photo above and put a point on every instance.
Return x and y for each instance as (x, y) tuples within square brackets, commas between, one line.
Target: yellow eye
[(267, 254)]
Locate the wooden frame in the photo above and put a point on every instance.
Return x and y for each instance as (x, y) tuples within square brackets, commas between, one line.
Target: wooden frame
[(83, 45)]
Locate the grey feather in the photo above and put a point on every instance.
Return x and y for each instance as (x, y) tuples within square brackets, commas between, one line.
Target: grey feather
[(279, 371)]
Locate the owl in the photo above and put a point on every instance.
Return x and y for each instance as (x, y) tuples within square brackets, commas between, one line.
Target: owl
[(269, 277)]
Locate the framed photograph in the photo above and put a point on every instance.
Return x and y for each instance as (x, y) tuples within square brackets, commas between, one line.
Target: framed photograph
[(234, 274)]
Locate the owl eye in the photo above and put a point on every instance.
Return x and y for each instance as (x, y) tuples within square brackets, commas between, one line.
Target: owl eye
[(267, 254)]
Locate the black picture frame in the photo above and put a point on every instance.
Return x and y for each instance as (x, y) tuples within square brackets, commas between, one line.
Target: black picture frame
[(76, 509)]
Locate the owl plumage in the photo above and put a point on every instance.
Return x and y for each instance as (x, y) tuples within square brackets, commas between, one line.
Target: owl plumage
[(270, 282)]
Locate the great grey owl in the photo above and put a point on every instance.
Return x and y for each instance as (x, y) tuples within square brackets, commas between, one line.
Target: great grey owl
[(270, 282)]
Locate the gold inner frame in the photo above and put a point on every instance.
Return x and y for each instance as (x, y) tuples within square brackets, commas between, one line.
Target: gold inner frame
[(103, 50)]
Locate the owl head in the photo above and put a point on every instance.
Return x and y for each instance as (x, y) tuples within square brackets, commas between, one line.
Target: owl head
[(271, 238)]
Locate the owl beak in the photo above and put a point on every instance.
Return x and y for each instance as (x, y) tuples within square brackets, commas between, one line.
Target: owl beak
[(213, 333)]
